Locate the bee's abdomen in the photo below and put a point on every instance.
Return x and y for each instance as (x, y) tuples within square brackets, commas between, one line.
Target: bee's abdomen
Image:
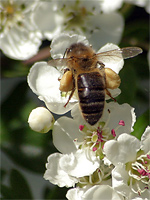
[(91, 95)]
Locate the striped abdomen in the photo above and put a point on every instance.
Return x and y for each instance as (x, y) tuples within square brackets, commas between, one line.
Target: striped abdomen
[(91, 95)]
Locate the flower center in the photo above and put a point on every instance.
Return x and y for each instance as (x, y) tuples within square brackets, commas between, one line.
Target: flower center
[(11, 14), (101, 174), (139, 173), (95, 137), (75, 16)]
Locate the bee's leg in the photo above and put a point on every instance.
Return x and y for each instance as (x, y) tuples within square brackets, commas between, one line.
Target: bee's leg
[(66, 82), (70, 96), (65, 70), (112, 79), (109, 94), (101, 64), (65, 52)]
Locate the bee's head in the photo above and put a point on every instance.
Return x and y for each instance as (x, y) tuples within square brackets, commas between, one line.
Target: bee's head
[(79, 50)]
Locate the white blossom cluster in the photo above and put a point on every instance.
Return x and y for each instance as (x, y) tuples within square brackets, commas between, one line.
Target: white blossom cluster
[(25, 24), (103, 161)]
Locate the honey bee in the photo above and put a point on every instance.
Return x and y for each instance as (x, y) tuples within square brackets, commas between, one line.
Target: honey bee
[(85, 73)]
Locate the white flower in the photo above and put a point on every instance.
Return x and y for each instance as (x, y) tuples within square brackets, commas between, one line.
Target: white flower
[(55, 174), (145, 140), (75, 132), (76, 193), (40, 120), (118, 151), (61, 42), (68, 138), (46, 12), (65, 132), (73, 16), (108, 6), (97, 192), (131, 175), (43, 79), (19, 38), (65, 169)]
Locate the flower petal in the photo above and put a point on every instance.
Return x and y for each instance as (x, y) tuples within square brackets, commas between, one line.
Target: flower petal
[(65, 131), (63, 41), (101, 192), (77, 115), (120, 179), (20, 44), (45, 12), (43, 80), (55, 174), (75, 193), (113, 62), (123, 150), (119, 112), (145, 140), (108, 7), (108, 28), (114, 93), (76, 163)]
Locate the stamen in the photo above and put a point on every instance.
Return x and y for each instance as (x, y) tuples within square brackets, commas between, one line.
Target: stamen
[(81, 127), (113, 133), (99, 176), (108, 119), (94, 149), (88, 136), (90, 180), (122, 123), (142, 172), (138, 187), (148, 156), (89, 142), (92, 146), (97, 136)]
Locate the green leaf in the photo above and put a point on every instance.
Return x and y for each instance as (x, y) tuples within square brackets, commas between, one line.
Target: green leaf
[(128, 84), (141, 124), (13, 104), (6, 192), (30, 159), (55, 193), (2, 173), (13, 68), (19, 185)]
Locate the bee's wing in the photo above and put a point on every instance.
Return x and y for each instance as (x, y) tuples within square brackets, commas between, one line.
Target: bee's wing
[(58, 62), (129, 52), (117, 55)]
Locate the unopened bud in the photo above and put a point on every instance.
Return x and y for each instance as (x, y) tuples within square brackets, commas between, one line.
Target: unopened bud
[(40, 120)]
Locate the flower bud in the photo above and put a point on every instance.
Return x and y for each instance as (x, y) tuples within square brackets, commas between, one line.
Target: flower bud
[(40, 120)]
